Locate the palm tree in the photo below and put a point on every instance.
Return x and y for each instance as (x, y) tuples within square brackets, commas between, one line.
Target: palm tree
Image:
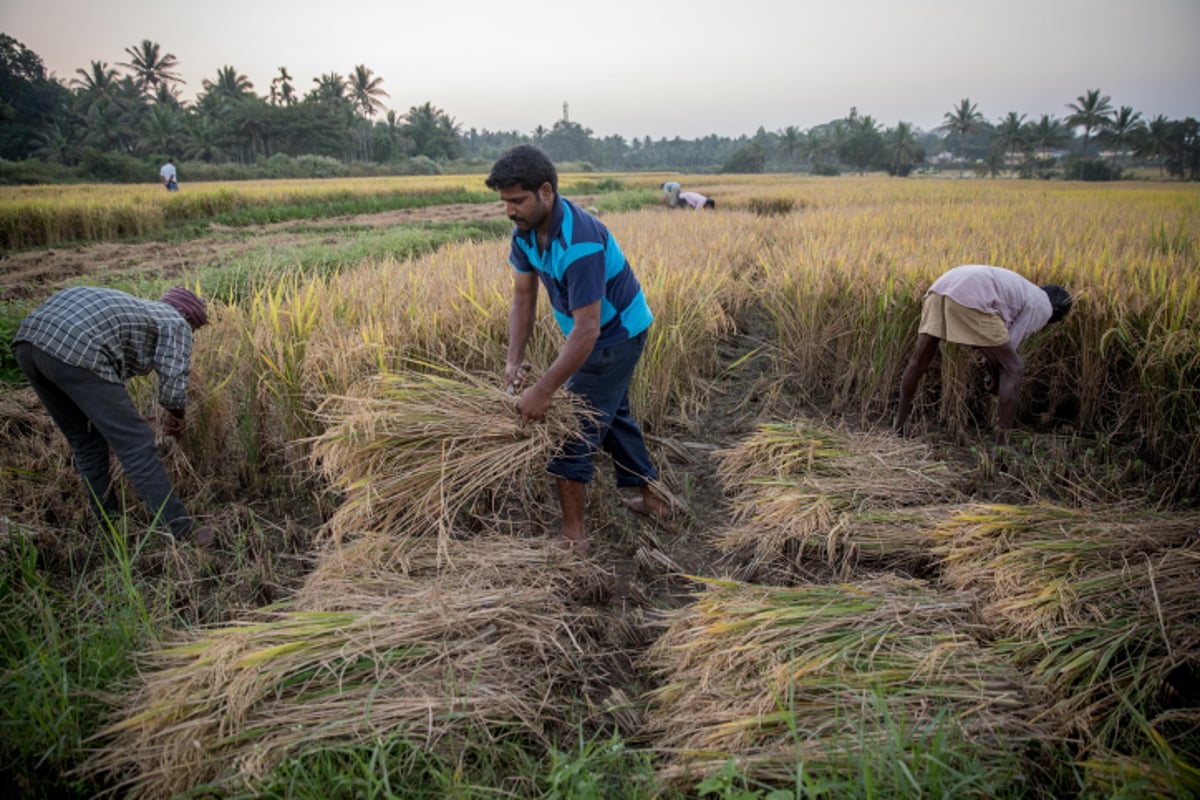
[(1047, 134), (230, 84), (432, 131), (837, 139), (904, 146), (330, 90), (98, 83), (364, 89), (863, 143), (166, 95), (162, 130), (1089, 111), (390, 130), (1011, 133), (282, 91), (1155, 141), (1125, 125), (150, 68), (962, 119), (58, 144), (107, 127), (204, 139), (791, 140), (813, 147)]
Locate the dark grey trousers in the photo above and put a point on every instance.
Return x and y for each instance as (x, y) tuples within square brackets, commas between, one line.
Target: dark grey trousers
[(96, 415)]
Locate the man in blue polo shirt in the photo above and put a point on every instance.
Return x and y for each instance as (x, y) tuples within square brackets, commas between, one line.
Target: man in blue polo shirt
[(600, 307)]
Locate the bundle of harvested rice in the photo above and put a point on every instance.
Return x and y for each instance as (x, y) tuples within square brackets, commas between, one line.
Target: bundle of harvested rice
[(770, 675), (438, 657), (376, 566), (1099, 604), (797, 489), (421, 447)]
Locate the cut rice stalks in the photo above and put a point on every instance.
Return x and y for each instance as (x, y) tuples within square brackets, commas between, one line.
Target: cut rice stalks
[(1100, 604), (453, 653), (800, 493), (771, 676), (417, 448)]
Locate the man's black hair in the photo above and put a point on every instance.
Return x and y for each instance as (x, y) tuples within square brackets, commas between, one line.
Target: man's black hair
[(524, 166), (710, 203), (1060, 301)]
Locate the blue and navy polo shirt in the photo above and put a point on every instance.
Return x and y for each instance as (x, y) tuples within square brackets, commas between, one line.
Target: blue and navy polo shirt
[(582, 264)]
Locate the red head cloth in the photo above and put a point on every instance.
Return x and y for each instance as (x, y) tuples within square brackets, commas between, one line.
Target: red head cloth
[(187, 304)]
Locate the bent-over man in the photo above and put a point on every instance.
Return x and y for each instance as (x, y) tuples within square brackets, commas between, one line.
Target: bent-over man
[(993, 310), (78, 349)]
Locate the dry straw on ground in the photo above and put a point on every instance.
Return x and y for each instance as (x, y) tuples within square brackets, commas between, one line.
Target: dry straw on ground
[(803, 494), (388, 637), (1099, 603), (417, 448), (770, 676), (40, 484)]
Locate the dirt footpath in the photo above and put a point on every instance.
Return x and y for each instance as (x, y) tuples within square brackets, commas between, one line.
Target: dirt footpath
[(36, 273)]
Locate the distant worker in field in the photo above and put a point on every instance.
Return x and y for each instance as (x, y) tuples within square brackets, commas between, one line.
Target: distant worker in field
[(697, 201), (168, 175), (989, 308), (77, 349), (671, 193), (601, 310)]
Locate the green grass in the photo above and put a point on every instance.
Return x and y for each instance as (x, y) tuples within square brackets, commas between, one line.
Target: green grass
[(268, 214), (61, 648), (600, 768), (234, 280)]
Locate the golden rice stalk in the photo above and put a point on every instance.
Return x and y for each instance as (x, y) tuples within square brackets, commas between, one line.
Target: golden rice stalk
[(757, 672), (1165, 774), (1098, 604), (379, 565), (420, 447), (797, 489), (452, 654), (1036, 568)]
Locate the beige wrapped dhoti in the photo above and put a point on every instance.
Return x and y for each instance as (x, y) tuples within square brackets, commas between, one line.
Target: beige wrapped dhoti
[(947, 320)]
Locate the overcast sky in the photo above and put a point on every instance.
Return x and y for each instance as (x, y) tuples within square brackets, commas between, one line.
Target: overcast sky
[(660, 67)]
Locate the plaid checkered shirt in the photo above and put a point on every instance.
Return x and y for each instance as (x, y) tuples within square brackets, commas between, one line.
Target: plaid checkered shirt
[(116, 336)]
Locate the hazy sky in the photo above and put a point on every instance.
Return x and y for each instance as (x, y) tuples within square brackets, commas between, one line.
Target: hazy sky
[(662, 67)]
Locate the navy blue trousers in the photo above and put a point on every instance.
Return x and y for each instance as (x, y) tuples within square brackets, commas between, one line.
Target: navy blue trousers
[(96, 415), (604, 381)]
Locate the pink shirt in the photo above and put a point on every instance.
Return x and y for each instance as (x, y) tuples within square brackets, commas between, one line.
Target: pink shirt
[(1022, 305), (693, 199)]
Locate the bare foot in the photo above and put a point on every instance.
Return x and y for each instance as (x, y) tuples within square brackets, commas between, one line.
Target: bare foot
[(573, 544), (648, 505)]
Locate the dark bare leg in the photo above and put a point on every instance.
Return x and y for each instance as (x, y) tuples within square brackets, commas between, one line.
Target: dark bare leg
[(572, 496), (926, 347)]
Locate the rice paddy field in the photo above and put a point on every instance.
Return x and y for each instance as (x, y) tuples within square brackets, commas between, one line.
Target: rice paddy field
[(832, 611)]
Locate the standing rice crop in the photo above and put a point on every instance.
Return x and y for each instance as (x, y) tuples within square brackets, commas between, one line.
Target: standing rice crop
[(843, 282)]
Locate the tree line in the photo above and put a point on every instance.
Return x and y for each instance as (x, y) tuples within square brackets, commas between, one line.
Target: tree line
[(113, 121)]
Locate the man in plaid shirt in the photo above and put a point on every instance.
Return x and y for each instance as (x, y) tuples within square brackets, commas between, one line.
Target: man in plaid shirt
[(77, 349)]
